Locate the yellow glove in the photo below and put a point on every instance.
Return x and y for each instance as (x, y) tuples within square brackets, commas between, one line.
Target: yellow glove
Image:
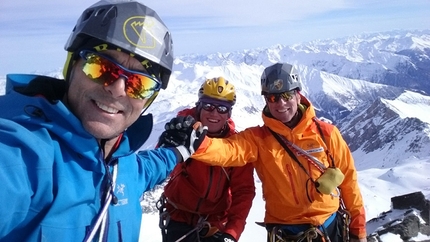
[(328, 181)]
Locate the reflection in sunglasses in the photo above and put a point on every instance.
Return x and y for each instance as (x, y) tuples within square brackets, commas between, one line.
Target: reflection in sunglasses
[(105, 71), (219, 108), (274, 97)]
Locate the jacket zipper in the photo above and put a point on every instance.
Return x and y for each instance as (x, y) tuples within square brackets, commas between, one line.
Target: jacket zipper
[(293, 187), (207, 190), (309, 193)]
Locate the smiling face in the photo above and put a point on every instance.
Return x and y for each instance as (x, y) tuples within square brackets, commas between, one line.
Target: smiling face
[(214, 120), (284, 110), (105, 111)]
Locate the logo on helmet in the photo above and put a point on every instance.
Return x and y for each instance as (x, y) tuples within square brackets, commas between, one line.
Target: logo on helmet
[(137, 31), (278, 84)]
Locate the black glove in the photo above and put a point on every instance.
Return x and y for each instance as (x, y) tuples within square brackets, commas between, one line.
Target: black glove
[(222, 237), (183, 133), (176, 132)]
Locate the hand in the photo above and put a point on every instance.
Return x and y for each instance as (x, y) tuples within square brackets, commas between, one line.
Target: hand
[(176, 132), (357, 240), (222, 237), (185, 134)]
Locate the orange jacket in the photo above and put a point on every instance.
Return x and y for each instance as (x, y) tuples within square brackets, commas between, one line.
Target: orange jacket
[(225, 194), (285, 184)]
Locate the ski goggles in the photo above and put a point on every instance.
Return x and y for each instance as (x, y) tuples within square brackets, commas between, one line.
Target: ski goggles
[(219, 108), (104, 70), (274, 97)]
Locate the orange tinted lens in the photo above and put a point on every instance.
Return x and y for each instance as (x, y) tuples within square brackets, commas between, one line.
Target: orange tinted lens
[(272, 98), (141, 86), (104, 70), (100, 70)]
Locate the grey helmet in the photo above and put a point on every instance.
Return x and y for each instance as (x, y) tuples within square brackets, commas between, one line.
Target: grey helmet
[(280, 77), (130, 26)]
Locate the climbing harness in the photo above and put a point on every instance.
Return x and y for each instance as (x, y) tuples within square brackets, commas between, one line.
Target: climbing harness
[(346, 220), (201, 225), (164, 215), (278, 235)]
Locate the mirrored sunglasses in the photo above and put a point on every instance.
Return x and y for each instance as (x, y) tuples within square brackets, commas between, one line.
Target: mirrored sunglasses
[(219, 108), (274, 97), (104, 70)]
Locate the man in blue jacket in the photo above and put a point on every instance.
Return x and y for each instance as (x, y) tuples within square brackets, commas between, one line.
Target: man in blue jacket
[(68, 164)]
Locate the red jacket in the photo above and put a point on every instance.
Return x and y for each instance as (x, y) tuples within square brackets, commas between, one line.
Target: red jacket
[(223, 194)]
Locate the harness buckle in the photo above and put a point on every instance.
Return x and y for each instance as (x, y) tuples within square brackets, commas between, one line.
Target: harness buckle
[(164, 220), (337, 193)]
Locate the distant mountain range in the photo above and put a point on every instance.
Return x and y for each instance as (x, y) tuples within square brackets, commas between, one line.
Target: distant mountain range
[(354, 81), (374, 87)]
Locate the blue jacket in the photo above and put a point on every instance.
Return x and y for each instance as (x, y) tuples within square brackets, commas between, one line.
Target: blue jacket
[(52, 171)]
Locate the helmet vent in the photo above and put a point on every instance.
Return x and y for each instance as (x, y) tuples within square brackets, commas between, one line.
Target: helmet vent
[(167, 43), (109, 15), (99, 12), (87, 15)]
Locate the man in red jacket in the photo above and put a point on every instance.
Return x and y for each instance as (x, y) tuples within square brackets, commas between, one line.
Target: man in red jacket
[(202, 202)]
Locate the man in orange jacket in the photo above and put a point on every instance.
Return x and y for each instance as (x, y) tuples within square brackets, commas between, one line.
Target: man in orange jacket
[(305, 166), (202, 202)]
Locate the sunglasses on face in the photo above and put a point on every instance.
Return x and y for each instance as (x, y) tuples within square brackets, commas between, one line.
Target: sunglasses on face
[(104, 70), (274, 97), (219, 108)]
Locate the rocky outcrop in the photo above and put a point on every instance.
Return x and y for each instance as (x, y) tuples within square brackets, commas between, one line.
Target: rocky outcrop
[(408, 218)]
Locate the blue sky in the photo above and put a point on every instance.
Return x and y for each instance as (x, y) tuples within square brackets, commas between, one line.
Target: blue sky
[(33, 33)]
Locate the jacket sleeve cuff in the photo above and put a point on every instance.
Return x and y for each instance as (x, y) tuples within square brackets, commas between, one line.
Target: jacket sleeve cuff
[(181, 153)]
